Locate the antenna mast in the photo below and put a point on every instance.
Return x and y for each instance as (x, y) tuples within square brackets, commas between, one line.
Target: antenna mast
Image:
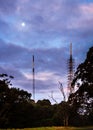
[(33, 72), (70, 71)]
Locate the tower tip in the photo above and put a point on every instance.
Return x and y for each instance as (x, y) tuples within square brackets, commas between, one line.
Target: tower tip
[(70, 49)]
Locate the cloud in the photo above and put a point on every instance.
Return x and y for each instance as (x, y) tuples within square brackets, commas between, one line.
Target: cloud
[(45, 15), (7, 6), (3, 26), (48, 23), (16, 61), (50, 20), (10, 52)]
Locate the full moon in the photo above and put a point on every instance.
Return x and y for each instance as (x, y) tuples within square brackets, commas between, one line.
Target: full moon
[(23, 24)]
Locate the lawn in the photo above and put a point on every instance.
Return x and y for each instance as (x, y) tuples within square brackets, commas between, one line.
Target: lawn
[(55, 128), (62, 128)]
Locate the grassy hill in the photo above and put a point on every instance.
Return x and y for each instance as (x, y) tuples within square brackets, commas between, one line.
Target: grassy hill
[(62, 128), (55, 128)]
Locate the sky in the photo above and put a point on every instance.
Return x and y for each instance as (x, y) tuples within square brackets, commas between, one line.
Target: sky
[(45, 29)]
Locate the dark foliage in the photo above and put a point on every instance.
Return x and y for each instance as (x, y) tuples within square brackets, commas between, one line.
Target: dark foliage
[(82, 99)]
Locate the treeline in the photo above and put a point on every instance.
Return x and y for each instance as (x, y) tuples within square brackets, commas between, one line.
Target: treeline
[(18, 110)]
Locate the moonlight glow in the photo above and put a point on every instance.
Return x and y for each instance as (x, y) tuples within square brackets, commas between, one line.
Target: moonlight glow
[(23, 24)]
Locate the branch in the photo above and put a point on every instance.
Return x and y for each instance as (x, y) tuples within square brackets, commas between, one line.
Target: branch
[(53, 97), (62, 90)]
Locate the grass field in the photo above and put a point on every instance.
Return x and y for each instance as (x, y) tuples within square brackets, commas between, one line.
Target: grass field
[(62, 128), (55, 128)]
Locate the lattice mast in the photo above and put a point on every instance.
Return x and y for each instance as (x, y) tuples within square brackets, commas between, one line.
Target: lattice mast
[(70, 71), (33, 73)]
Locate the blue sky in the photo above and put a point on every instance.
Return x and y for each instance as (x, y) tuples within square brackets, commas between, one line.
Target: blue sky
[(45, 29)]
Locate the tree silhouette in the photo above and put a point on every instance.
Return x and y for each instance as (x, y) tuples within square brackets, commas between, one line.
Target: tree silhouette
[(12, 100), (83, 80)]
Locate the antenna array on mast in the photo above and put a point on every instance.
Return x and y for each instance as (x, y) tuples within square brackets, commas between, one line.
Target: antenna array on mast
[(70, 71)]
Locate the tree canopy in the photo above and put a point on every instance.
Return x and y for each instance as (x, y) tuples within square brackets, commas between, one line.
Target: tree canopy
[(83, 80)]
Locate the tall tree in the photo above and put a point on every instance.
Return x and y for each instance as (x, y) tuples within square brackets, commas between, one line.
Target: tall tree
[(83, 80), (13, 101)]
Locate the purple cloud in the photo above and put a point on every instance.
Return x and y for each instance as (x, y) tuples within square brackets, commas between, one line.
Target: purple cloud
[(7, 6)]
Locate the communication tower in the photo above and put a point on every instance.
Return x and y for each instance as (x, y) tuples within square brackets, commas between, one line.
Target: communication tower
[(33, 73), (70, 71)]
